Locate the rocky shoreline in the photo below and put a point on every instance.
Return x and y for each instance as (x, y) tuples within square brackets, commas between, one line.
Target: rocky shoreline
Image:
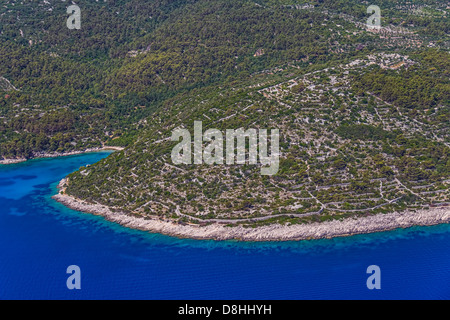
[(276, 232), (58, 154)]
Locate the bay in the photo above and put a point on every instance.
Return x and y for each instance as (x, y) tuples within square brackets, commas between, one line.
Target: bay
[(40, 238)]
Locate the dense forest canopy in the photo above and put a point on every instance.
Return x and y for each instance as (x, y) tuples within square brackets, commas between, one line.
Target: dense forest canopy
[(129, 56)]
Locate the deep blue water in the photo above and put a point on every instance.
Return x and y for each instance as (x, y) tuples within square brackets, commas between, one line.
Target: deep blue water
[(40, 238)]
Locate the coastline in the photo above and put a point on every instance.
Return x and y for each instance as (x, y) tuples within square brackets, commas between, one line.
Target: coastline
[(275, 232), (58, 154)]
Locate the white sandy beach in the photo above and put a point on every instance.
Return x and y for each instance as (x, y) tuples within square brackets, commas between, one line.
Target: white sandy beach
[(275, 232)]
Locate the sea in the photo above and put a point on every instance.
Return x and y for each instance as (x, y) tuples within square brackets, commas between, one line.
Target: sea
[(40, 239)]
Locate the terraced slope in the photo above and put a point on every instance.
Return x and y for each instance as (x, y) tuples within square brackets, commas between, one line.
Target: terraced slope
[(344, 149)]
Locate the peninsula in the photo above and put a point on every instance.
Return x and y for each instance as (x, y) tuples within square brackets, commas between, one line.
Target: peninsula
[(358, 116)]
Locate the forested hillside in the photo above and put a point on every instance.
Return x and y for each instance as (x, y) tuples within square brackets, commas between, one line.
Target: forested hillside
[(97, 85), (129, 56)]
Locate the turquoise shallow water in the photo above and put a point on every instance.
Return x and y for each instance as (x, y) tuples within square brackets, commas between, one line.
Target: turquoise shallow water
[(40, 238)]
